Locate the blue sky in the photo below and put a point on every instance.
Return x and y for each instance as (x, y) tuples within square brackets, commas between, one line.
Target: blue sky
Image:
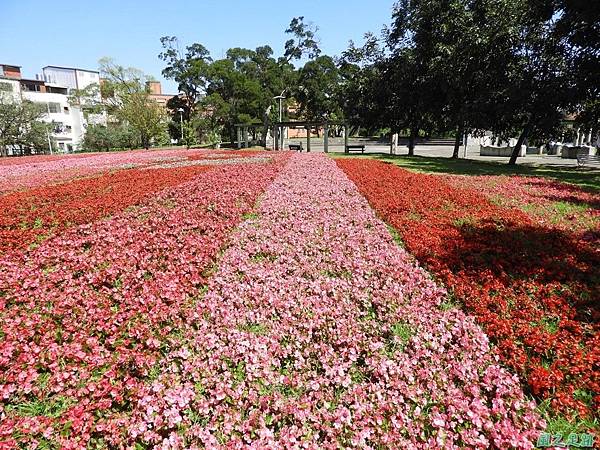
[(37, 33)]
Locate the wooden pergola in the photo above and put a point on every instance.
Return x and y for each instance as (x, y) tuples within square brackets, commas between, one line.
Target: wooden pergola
[(277, 129)]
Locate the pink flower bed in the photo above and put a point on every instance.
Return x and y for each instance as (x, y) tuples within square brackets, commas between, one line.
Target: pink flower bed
[(318, 331), (85, 317), (16, 161)]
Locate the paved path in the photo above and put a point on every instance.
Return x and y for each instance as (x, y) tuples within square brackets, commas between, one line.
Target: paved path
[(336, 146)]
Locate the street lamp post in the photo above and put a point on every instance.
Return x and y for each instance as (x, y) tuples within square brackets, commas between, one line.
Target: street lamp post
[(181, 122), (280, 97)]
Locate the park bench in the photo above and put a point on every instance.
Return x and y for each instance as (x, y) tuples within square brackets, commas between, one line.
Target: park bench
[(296, 147), (355, 147), (582, 160)]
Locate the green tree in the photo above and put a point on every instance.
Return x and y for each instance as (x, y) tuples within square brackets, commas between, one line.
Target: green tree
[(189, 70), (190, 134), (145, 115), (237, 88), (109, 137), (317, 91), (409, 91), (127, 98), (304, 42), (539, 88), (360, 79), (212, 121), (472, 44), (578, 26), (21, 126), (87, 98)]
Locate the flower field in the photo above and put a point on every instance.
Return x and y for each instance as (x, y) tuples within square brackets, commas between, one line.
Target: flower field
[(86, 314), (548, 202), (28, 217), (521, 255), (220, 299), (233, 300), (32, 171)]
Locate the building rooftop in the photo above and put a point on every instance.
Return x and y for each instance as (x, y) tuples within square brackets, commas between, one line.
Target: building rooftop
[(70, 68), (10, 65)]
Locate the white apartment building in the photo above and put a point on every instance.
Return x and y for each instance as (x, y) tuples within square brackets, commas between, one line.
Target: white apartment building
[(51, 89), (67, 121), (73, 78), (70, 77)]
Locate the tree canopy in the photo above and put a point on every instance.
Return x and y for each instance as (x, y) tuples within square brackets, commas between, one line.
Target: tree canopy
[(21, 126), (126, 97), (514, 68)]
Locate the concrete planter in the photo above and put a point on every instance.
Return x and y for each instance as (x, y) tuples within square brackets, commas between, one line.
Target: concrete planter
[(569, 152), (535, 150), (490, 150), (572, 152), (555, 149)]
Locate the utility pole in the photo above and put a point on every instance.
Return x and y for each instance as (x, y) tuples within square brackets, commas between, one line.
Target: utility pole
[(181, 122), (280, 97)]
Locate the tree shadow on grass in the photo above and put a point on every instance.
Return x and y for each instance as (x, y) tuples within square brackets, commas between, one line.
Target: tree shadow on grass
[(572, 194)]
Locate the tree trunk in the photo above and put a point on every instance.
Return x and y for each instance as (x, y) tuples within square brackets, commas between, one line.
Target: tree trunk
[(517, 148), (411, 141), (459, 132), (265, 130), (232, 134)]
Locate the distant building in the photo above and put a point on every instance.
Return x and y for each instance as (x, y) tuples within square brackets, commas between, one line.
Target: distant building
[(10, 86), (68, 125), (156, 93), (51, 89), (70, 77), (10, 71)]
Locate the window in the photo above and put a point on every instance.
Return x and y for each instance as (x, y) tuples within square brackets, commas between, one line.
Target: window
[(31, 87), (54, 108), (66, 109), (69, 147), (56, 90), (68, 128)]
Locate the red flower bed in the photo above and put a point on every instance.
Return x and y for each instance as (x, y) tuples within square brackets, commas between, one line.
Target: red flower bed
[(34, 214), (535, 289)]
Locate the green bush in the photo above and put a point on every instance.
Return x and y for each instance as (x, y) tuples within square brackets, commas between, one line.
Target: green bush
[(111, 137)]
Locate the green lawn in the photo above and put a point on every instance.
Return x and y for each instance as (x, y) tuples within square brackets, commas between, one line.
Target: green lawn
[(584, 177)]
